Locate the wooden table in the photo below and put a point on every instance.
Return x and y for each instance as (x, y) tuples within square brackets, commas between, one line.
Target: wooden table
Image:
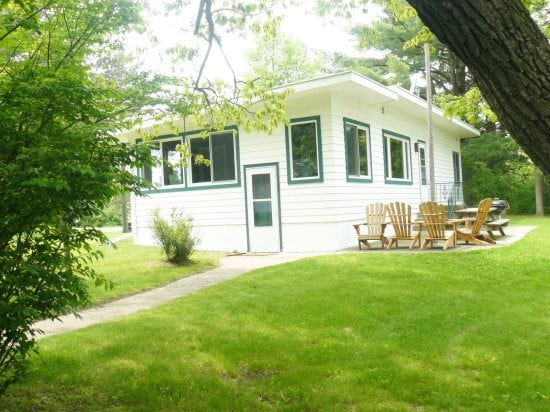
[(493, 222), (472, 211)]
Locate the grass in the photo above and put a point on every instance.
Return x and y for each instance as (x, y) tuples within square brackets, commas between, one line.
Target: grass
[(361, 331), (112, 232), (135, 268)]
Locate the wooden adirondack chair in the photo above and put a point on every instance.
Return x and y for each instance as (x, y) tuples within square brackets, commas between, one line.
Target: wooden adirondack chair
[(472, 232), (401, 220), (374, 226), (435, 222)]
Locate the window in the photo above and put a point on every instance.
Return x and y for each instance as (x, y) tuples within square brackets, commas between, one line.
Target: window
[(456, 167), (397, 158), (303, 139), (422, 163), (167, 170), (216, 155), (357, 141)]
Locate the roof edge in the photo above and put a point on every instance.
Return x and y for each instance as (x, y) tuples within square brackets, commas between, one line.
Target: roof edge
[(407, 95)]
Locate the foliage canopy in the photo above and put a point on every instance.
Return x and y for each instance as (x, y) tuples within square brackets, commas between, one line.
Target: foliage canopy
[(59, 159)]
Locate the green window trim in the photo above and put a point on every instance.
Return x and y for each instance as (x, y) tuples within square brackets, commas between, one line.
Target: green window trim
[(393, 164), (187, 184), (290, 159), (367, 158)]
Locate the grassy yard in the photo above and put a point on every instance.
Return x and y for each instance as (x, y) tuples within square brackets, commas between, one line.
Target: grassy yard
[(135, 268), (361, 331)]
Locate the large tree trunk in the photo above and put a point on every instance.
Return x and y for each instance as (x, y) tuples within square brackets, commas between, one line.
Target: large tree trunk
[(509, 58)]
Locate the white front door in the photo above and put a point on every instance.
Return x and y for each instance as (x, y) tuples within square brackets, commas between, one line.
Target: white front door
[(262, 208)]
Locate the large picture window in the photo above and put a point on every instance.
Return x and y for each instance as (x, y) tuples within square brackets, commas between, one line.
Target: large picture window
[(167, 170), (397, 155), (303, 138), (213, 159), (357, 141)]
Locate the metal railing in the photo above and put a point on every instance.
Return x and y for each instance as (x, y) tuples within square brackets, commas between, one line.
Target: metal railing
[(449, 194)]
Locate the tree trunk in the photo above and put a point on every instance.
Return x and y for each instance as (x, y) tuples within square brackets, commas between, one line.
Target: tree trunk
[(124, 211), (539, 205), (509, 58)]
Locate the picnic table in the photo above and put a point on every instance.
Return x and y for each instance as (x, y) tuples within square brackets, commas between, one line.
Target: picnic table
[(494, 222)]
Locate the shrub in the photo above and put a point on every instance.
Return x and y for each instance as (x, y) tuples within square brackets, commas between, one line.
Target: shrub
[(174, 236)]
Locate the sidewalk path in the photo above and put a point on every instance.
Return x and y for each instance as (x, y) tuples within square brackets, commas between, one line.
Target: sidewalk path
[(230, 267)]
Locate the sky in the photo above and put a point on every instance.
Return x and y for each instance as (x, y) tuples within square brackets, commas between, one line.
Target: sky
[(327, 34)]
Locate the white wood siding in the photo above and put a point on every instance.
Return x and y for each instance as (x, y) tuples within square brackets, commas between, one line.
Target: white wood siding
[(314, 216)]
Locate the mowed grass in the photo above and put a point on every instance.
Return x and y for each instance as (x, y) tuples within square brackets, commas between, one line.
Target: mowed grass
[(361, 331), (134, 268)]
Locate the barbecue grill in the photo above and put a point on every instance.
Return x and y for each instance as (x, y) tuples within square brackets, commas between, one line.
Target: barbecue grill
[(501, 205)]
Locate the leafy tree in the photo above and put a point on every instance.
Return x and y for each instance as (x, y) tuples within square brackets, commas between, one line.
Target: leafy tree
[(494, 165), (509, 58), (279, 59), (59, 158)]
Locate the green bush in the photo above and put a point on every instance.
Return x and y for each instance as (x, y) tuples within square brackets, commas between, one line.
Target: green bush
[(494, 165), (174, 236)]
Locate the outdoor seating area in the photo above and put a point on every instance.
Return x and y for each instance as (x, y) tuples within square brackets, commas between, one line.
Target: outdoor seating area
[(432, 224)]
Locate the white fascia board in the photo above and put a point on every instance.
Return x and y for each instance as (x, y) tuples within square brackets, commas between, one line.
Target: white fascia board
[(413, 98), (340, 79)]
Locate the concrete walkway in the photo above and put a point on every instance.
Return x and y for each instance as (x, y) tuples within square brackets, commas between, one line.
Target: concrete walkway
[(230, 267)]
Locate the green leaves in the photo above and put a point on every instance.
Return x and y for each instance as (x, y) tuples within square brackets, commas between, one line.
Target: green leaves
[(59, 159)]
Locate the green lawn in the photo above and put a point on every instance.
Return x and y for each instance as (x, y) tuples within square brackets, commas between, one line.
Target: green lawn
[(135, 268), (112, 232), (361, 331)]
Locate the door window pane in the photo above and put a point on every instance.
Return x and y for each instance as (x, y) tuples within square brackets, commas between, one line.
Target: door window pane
[(456, 166), (261, 186), (263, 215), (422, 160), (173, 173), (304, 150)]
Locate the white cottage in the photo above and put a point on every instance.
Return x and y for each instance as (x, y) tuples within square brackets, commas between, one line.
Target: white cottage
[(351, 141)]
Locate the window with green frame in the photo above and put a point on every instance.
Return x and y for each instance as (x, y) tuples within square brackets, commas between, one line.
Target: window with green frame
[(216, 158), (167, 170), (303, 138), (357, 141), (397, 156)]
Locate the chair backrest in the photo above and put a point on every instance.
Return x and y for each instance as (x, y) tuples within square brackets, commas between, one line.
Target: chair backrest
[(481, 215), (376, 217), (434, 219), (400, 217)]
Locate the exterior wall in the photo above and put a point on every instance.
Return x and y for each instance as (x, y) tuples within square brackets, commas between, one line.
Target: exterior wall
[(314, 216), (351, 198)]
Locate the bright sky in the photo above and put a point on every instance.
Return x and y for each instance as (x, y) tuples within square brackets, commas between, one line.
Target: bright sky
[(327, 34)]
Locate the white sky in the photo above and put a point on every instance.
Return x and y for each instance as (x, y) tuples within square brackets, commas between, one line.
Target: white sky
[(327, 34)]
